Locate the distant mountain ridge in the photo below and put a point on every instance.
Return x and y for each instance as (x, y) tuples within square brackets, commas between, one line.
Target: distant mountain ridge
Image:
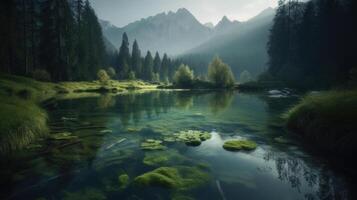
[(172, 32)]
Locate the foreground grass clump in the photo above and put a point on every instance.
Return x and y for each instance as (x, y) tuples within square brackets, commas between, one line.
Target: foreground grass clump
[(328, 119), (21, 122), (178, 178), (237, 145)]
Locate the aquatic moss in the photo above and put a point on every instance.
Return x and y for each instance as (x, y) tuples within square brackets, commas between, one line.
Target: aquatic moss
[(151, 144), (123, 181), (236, 145), (192, 138), (181, 197), (177, 178), (163, 158)]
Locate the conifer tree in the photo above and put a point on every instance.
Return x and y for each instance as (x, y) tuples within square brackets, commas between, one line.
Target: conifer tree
[(136, 60), (124, 58), (148, 67)]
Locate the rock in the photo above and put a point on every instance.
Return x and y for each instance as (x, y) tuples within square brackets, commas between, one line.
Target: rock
[(192, 138), (123, 180), (178, 178), (236, 145), (63, 136), (151, 144)]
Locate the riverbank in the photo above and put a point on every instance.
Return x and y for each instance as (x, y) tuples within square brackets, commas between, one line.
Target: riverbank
[(327, 120), (22, 120)]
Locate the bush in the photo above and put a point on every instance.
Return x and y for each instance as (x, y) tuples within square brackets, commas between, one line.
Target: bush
[(111, 72), (183, 76), (220, 74), (103, 77), (132, 75), (41, 75), (245, 77)]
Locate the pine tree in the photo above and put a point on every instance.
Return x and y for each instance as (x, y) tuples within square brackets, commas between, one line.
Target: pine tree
[(148, 67), (136, 60), (124, 58), (164, 68), (157, 63)]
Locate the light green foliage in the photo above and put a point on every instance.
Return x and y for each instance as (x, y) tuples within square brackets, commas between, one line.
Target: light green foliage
[(220, 74), (132, 75), (150, 144), (123, 180), (245, 77), (103, 77), (236, 145), (192, 138), (183, 76), (111, 72), (177, 178)]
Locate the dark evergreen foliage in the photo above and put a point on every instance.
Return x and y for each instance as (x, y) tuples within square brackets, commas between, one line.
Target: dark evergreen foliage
[(312, 44)]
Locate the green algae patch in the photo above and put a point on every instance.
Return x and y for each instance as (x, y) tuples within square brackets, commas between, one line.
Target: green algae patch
[(176, 178), (181, 197), (151, 144), (163, 158), (123, 181), (237, 145), (192, 138)]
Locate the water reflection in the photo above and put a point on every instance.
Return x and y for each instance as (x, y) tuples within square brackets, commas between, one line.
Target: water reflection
[(109, 130)]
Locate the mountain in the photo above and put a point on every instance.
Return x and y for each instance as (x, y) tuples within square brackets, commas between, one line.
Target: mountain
[(172, 32), (225, 25), (243, 46), (209, 25)]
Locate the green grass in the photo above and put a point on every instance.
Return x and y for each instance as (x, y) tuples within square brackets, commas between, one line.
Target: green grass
[(328, 120), (21, 122)]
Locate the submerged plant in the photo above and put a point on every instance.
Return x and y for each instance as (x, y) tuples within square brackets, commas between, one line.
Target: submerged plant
[(151, 144), (236, 145), (177, 178), (192, 138)]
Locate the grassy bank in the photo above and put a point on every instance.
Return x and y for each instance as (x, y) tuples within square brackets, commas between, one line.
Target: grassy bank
[(22, 120), (328, 121)]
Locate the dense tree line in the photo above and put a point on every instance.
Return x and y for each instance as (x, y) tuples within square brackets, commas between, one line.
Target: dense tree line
[(313, 43), (58, 37), (146, 67)]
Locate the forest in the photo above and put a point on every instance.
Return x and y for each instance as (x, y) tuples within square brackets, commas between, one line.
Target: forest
[(178, 100)]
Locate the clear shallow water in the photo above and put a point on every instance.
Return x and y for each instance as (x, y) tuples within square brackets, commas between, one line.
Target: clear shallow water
[(110, 129)]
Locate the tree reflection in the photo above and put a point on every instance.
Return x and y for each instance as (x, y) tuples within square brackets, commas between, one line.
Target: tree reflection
[(220, 101)]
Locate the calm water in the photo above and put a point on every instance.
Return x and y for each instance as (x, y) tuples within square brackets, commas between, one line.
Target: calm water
[(108, 132)]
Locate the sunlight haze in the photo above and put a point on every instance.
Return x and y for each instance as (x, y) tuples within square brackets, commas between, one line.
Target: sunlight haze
[(123, 12)]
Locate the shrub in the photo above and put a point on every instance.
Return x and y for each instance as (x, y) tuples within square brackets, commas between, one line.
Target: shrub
[(111, 72), (132, 75), (245, 77), (41, 75), (183, 76), (103, 76), (220, 74)]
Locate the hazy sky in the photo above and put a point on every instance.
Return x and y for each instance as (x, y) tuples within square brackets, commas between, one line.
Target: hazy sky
[(122, 12)]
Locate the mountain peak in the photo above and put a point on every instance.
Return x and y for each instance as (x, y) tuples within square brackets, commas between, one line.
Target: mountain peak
[(183, 11)]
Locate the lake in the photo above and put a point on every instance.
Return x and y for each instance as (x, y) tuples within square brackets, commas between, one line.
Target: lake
[(100, 154)]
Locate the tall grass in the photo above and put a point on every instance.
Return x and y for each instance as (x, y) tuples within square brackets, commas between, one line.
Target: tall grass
[(328, 119)]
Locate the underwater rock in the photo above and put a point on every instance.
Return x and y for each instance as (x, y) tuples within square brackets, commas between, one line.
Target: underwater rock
[(63, 136), (133, 130), (106, 131), (178, 178), (151, 144), (236, 145), (192, 138), (123, 181)]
